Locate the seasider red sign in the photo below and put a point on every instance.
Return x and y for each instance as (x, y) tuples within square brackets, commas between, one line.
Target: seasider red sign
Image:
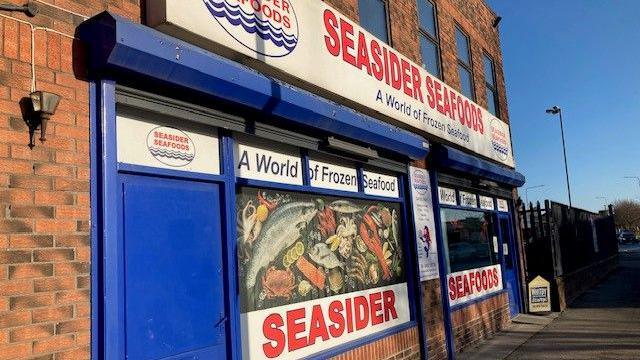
[(312, 42)]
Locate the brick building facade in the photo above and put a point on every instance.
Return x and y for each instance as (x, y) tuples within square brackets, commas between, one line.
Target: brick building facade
[(45, 244)]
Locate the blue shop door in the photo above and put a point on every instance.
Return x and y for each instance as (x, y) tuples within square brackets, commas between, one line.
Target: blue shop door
[(510, 263), (173, 283)]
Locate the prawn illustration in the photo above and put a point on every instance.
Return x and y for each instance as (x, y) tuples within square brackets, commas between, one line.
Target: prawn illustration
[(369, 235)]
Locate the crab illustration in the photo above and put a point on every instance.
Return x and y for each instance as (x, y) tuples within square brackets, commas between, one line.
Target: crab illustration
[(278, 283)]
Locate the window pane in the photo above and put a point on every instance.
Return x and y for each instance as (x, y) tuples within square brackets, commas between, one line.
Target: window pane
[(373, 17), (491, 101), (466, 82), (426, 13), (468, 239), (430, 58), (488, 70), (462, 43), (287, 242)]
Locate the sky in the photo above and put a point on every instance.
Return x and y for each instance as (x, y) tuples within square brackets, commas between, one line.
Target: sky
[(584, 56)]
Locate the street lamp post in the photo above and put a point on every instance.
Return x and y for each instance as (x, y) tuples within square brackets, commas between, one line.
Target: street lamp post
[(556, 110), (526, 192)]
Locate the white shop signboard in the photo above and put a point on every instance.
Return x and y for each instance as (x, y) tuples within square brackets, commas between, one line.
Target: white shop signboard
[(332, 176), (467, 285), (313, 42)]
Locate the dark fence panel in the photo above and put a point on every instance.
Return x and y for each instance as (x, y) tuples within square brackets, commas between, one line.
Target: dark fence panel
[(560, 241)]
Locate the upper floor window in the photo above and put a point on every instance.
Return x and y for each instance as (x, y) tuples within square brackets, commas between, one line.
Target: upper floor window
[(429, 48), (373, 17), (492, 89), (464, 64)]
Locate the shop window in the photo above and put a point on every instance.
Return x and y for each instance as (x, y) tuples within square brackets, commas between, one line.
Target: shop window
[(294, 247), (373, 17), (429, 47), (468, 239), (490, 82), (464, 64)]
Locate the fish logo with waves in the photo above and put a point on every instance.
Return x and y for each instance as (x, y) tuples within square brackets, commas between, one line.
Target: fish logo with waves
[(248, 21), (171, 146), (419, 180), (499, 140)]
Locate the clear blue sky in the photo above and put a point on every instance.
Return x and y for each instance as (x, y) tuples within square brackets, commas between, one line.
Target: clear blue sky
[(584, 56)]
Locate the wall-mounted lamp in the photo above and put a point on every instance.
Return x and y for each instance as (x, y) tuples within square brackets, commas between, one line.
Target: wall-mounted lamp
[(30, 9), (496, 21), (43, 105)]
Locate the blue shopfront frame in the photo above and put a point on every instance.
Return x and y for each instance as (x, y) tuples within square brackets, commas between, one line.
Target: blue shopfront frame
[(120, 49), (496, 214), (117, 44)]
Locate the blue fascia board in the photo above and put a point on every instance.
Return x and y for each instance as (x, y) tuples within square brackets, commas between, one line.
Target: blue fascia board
[(450, 158), (119, 47)]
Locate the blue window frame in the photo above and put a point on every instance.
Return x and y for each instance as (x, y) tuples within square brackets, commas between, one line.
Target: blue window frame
[(108, 280)]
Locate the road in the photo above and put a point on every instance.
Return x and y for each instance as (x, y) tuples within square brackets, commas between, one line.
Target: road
[(604, 323)]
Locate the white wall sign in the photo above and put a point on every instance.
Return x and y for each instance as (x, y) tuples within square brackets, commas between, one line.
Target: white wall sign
[(503, 205), (331, 176), (486, 203), (312, 42), (262, 163), (423, 219), (471, 284), (169, 146), (380, 184), (468, 199), (447, 196), (299, 330)]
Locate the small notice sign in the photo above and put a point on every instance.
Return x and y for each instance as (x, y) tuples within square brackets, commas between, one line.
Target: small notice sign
[(539, 295)]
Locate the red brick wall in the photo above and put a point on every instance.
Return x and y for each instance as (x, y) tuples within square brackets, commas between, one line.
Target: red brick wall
[(400, 346), (44, 191), (479, 321), (44, 225)]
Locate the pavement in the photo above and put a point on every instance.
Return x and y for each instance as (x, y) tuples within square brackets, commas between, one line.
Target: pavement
[(603, 323)]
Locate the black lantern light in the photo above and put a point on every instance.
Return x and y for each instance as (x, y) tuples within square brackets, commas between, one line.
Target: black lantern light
[(44, 104)]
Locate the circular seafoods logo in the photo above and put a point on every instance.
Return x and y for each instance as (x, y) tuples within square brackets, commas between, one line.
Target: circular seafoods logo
[(268, 27), (419, 180), (171, 146), (499, 140)]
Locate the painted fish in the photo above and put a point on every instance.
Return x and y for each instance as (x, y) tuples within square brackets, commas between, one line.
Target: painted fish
[(322, 255), (345, 207), (280, 231)]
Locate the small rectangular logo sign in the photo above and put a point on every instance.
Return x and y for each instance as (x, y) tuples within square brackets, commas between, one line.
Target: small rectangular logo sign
[(503, 205), (447, 196), (263, 163), (176, 146), (468, 199), (331, 176), (486, 203), (380, 184)]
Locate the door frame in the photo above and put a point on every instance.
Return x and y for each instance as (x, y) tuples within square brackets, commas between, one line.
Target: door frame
[(514, 258)]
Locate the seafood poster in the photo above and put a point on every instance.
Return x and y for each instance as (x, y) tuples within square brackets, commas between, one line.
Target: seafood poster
[(423, 219), (297, 251)]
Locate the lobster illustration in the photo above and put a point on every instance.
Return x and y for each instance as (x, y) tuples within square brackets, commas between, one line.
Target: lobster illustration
[(369, 234)]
